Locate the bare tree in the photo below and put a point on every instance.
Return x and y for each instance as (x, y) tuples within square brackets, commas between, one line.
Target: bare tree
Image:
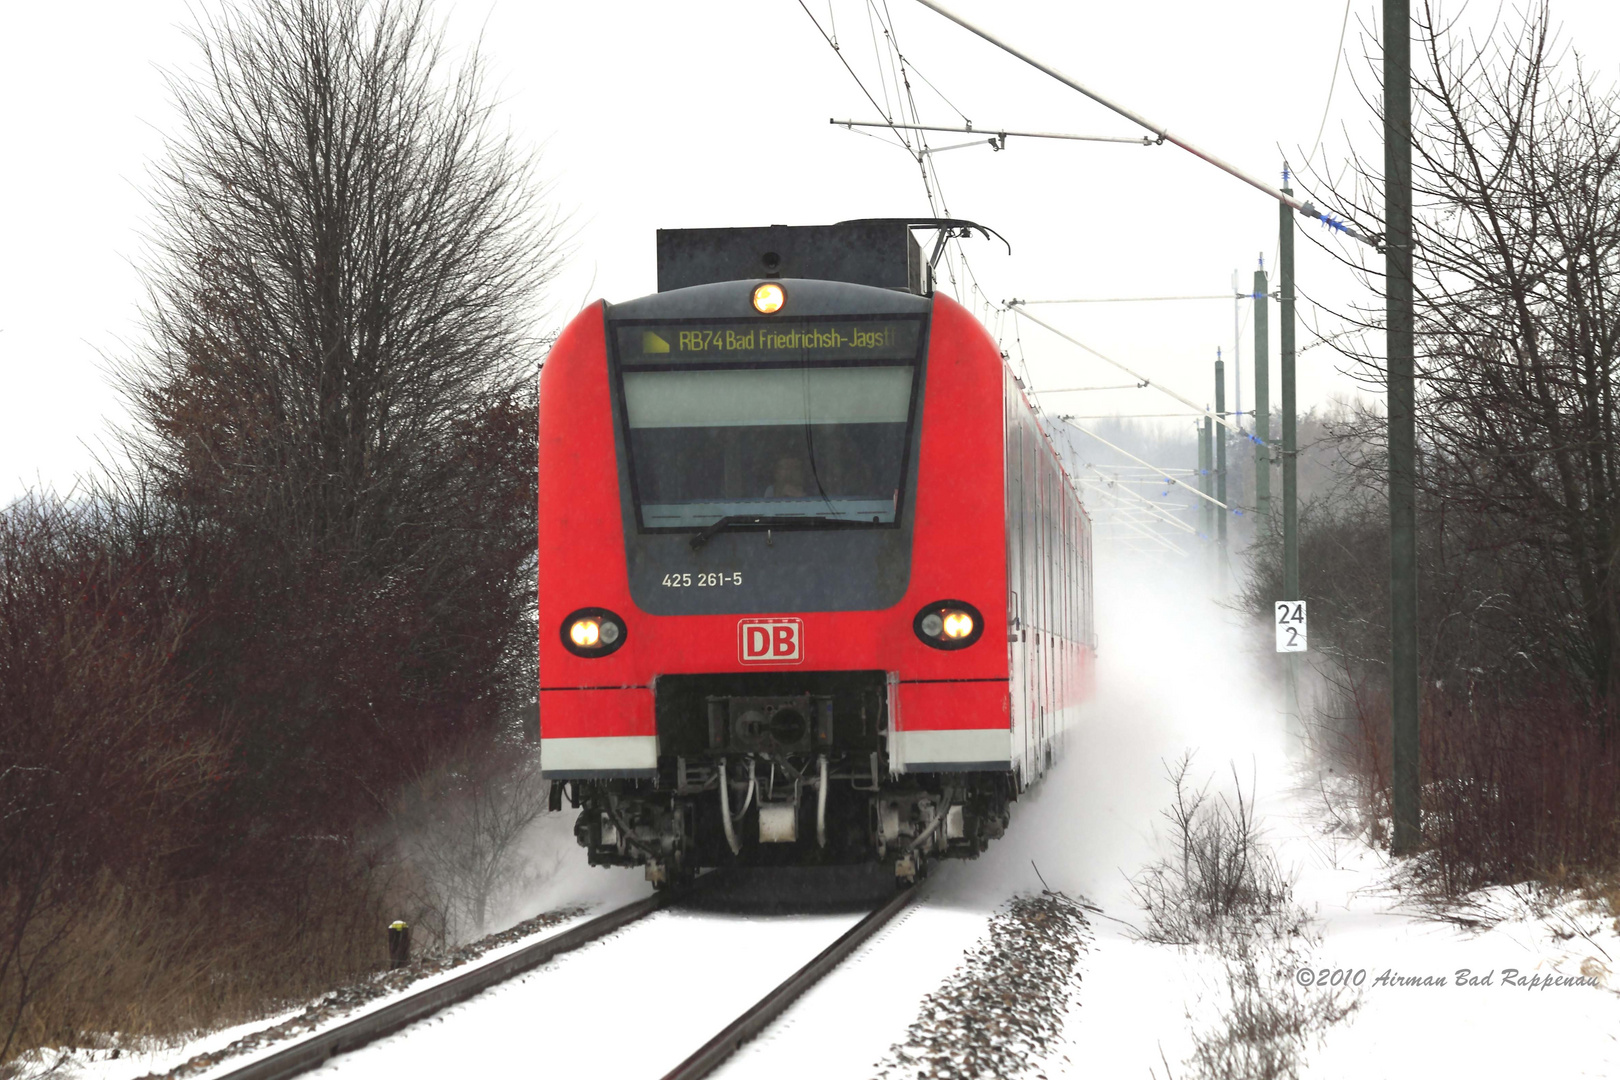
[(347, 255), (339, 384), (1223, 880), (1516, 173), (313, 583)]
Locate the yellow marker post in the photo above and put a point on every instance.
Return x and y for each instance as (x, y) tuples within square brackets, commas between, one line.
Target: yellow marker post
[(399, 945)]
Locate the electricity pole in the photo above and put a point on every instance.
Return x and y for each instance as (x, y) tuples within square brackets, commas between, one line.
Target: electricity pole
[(1262, 403), (1236, 485), (1206, 526), (1206, 484), (1290, 429), (1290, 460), (1220, 475), (1403, 665)]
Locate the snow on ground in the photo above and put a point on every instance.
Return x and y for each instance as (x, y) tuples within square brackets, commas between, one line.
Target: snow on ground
[(1176, 672), (631, 1005), (1081, 828), (154, 1058), (145, 1057), (848, 1021), (567, 883), (1460, 1029)]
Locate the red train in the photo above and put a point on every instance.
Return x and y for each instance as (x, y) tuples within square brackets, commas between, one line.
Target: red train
[(814, 586)]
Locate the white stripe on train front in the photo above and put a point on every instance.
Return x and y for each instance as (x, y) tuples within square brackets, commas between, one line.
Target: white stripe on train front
[(960, 749), (613, 754)]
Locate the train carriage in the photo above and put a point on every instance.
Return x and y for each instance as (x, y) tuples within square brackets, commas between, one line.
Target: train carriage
[(813, 584)]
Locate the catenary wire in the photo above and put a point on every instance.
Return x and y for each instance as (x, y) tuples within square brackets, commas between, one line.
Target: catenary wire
[(1338, 59)]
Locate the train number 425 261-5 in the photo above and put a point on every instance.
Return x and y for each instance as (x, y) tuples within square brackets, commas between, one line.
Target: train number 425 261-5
[(709, 580)]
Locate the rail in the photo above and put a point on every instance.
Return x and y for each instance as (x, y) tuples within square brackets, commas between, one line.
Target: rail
[(315, 1051), (758, 1016)]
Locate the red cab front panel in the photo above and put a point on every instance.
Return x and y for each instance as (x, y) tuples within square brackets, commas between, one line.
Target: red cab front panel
[(950, 707)]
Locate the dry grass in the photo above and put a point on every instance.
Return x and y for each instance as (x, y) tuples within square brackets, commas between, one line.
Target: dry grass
[(341, 1002), (1220, 878), (136, 969), (1604, 894), (1267, 1022), (1222, 889), (135, 966), (1516, 788)]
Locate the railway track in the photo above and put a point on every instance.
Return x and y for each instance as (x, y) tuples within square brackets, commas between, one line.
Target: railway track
[(311, 1053), (759, 1015)]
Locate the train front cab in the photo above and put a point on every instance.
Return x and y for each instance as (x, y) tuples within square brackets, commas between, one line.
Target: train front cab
[(771, 694)]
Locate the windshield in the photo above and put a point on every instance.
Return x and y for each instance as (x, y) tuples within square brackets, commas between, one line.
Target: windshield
[(776, 420)]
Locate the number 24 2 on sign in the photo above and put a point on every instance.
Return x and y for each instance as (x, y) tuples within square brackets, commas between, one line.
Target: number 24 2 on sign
[(1290, 623)]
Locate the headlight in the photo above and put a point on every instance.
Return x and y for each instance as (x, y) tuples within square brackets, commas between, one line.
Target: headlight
[(592, 632), (949, 624), (769, 298)]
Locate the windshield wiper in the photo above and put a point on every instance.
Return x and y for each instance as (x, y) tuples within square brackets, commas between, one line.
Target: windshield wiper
[(733, 521)]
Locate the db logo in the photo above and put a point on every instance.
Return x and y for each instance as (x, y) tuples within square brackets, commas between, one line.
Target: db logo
[(770, 641)]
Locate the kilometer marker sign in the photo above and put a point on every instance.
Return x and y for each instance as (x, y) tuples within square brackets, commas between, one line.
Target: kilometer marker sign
[(1290, 622)]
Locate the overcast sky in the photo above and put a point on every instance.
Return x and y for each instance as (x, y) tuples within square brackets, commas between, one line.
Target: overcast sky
[(654, 114)]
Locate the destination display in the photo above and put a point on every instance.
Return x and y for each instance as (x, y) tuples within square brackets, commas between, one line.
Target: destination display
[(764, 341)]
